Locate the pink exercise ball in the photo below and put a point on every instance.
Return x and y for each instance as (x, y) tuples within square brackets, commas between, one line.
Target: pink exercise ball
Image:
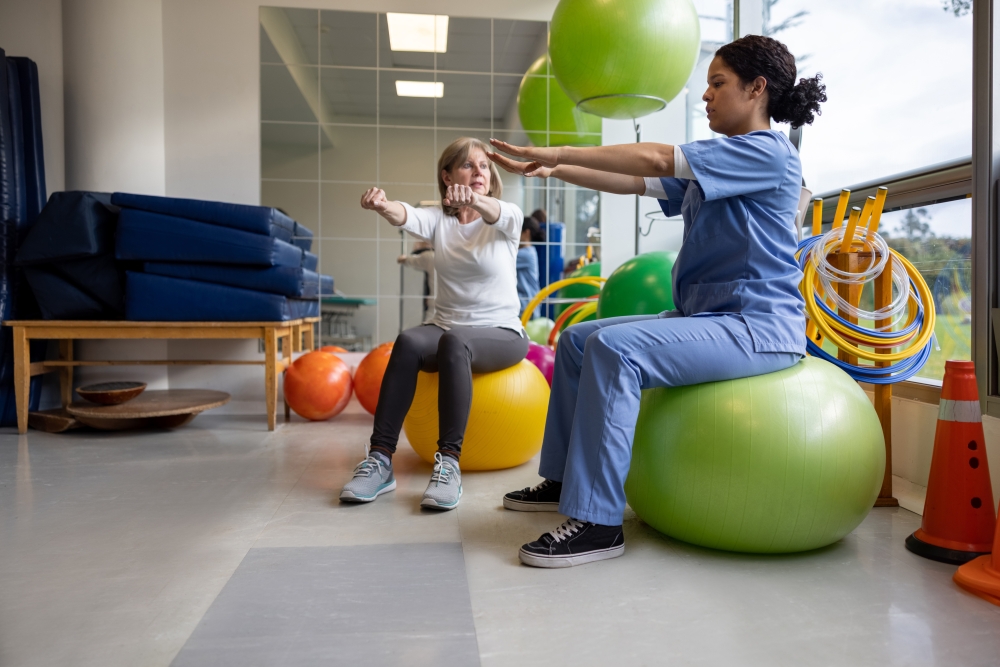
[(544, 358)]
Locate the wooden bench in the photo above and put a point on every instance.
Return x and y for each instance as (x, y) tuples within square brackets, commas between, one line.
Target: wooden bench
[(297, 334)]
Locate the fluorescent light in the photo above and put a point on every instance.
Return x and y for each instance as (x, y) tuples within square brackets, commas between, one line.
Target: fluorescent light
[(427, 33), (420, 88)]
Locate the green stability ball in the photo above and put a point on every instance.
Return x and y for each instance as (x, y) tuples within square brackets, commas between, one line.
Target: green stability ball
[(776, 463), (547, 114), (623, 58), (538, 330), (578, 291), (641, 286)]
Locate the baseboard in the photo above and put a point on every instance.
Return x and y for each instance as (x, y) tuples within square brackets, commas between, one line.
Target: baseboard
[(910, 496)]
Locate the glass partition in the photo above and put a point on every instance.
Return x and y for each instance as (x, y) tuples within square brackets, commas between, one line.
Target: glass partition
[(338, 116)]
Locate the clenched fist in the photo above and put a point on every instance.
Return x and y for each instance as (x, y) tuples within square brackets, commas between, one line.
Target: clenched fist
[(374, 200), (459, 196)]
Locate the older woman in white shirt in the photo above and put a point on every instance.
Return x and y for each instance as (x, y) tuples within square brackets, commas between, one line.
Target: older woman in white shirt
[(475, 328)]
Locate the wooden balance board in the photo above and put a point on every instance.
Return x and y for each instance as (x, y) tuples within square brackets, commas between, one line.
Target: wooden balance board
[(167, 408)]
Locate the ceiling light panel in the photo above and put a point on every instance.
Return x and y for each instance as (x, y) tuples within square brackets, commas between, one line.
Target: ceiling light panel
[(420, 89), (426, 33)]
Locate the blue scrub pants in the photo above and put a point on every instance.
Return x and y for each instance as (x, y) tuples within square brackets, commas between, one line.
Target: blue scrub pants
[(601, 367)]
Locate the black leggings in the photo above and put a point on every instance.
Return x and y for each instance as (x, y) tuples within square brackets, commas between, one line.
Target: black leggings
[(455, 354)]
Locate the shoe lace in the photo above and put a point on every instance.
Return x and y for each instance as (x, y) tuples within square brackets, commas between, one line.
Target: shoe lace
[(368, 467), (570, 528), (545, 483), (442, 473)]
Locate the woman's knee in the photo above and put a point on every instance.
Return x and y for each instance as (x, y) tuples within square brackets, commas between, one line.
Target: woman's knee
[(452, 346), (602, 342)]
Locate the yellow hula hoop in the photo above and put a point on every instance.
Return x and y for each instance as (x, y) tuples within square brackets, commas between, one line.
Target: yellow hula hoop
[(930, 318), (593, 281), (586, 311)]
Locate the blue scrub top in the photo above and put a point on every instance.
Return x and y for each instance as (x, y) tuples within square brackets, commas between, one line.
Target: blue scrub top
[(527, 277), (738, 254)]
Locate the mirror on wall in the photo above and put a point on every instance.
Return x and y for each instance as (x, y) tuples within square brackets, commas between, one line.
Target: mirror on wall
[(351, 99)]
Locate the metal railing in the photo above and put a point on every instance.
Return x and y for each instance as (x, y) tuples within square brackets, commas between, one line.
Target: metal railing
[(937, 183)]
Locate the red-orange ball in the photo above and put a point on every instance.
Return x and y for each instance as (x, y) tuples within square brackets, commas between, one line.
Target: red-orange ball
[(368, 376), (318, 385), (333, 349)]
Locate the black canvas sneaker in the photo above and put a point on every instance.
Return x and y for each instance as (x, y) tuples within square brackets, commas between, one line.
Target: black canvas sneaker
[(542, 497), (574, 543)]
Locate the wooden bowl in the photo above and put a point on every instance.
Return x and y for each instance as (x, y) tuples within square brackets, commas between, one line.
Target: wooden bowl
[(111, 393)]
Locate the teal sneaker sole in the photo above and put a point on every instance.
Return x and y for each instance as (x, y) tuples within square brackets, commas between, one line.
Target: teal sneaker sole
[(431, 504), (351, 497)]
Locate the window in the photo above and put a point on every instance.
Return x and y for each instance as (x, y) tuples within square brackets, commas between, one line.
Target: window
[(911, 110), (899, 81)]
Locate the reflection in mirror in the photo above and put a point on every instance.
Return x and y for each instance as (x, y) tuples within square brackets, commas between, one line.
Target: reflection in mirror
[(342, 111)]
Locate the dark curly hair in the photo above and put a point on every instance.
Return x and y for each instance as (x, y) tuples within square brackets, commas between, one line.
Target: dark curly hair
[(787, 102)]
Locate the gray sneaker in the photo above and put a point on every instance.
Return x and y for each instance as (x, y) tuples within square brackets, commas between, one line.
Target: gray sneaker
[(372, 478), (445, 487)]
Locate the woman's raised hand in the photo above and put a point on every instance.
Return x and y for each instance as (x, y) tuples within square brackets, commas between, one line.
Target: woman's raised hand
[(374, 200), (543, 160), (528, 169), (545, 157), (459, 196)]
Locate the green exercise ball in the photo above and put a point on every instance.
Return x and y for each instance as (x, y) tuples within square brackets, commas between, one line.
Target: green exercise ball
[(578, 291), (641, 286), (623, 58), (777, 463), (538, 330), (542, 105)]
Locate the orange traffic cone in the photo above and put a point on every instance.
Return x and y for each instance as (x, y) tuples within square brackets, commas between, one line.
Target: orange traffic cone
[(982, 575), (959, 515)]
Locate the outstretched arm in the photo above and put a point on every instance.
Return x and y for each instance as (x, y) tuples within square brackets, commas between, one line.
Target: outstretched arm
[(374, 200), (644, 159), (462, 195), (592, 179)]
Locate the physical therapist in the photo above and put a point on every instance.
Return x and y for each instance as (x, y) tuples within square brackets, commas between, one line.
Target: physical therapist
[(739, 312)]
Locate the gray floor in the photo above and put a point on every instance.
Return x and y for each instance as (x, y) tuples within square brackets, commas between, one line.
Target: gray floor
[(221, 543)]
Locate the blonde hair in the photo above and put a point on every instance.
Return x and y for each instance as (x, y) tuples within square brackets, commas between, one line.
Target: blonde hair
[(457, 153)]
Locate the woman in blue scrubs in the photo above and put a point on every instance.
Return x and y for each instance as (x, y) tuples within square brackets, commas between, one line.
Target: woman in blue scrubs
[(739, 312)]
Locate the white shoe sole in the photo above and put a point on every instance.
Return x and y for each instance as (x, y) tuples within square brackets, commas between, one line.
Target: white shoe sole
[(521, 506), (431, 504), (349, 497), (534, 560)]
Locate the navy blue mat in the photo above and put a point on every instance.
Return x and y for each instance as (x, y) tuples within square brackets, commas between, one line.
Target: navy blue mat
[(152, 298), (254, 219), (16, 216), (303, 237), (287, 281), (154, 237)]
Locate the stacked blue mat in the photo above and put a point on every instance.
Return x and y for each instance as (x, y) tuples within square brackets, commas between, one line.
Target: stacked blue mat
[(211, 261), (22, 195)]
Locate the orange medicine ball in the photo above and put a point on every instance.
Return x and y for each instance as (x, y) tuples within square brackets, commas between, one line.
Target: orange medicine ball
[(368, 376), (318, 385)]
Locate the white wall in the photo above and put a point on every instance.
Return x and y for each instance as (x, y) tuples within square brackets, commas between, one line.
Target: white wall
[(113, 86), (33, 28), (113, 69)]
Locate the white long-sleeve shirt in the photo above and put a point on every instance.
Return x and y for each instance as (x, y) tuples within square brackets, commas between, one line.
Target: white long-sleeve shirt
[(476, 266)]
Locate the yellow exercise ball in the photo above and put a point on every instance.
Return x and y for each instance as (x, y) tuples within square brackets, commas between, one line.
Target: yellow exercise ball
[(506, 422)]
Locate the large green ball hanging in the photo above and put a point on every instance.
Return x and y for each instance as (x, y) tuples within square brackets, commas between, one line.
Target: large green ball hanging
[(623, 58), (547, 114), (775, 463)]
